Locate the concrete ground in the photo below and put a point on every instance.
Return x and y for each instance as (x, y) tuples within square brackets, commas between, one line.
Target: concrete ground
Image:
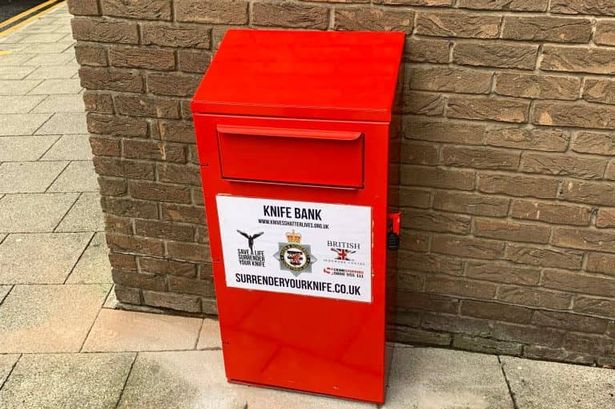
[(62, 343)]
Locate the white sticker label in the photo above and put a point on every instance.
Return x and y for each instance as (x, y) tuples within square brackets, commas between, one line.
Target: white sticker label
[(316, 249)]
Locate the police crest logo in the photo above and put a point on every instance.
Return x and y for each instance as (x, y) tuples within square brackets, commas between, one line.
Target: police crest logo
[(294, 256)]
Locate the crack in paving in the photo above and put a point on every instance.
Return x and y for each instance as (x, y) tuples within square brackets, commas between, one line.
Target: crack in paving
[(510, 391)]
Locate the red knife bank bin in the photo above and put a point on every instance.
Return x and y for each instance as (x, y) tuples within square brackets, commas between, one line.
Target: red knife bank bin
[(294, 133)]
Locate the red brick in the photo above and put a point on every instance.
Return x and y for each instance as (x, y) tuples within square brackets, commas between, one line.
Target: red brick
[(131, 244), (496, 54), (173, 84), (480, 158), (496, 311), (511, 231), (460, 287), (288, 14), (554, 213), (499, 272), (601, 263), (153, 150), (467, 247), (189, 251), (138, 280), (83, 7), (430, 263), (544, 257), (550, 29), (436, 177), (458, 24), (165, 266), (142, 57), (112, 80), (538, 139), (164, 230), (534, 297), (138, 9), (212, 11), (444, 131), (563, 165), (378, 19), (181, 35), (512, 5), (91, 54), (159, 192), (105, 31), (575, 282), (437, 221), (520, 186), (488, 108)]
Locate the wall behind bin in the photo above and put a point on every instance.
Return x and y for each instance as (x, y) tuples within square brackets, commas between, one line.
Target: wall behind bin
[(508, 188)]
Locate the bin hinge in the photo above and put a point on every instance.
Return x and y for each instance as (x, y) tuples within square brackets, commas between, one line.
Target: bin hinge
[(393, 226)]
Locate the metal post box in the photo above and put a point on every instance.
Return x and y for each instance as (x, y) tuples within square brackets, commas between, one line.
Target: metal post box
[(293, 131)]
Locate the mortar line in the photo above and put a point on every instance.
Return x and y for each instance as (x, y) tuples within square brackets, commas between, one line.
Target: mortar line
[(510, 391), (10, 372), (80, 257)]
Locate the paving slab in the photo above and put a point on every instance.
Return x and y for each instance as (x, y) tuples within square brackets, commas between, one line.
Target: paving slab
[(19, 104), (49, 59), (47, 48), (22, 87), (52, 71), (61, 103), (15, 59), (549, 385), (118, 330), (62, 381), (28, 177), (85, 215), (196, 379), (209, 338), (70, 147), (15, 72), (42, 38), (25, 148), (64, 123), (49, 318), (40, 258), (79, 176), (7, 361), (12, 47), (34, 212), (93, 267), (425, 378), (21, 124), (57, 86)]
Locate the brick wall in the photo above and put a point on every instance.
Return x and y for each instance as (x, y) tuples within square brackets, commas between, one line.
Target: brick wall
[(507, 179)]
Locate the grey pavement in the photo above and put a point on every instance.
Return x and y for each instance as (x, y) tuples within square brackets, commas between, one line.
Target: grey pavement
[(64, 342)]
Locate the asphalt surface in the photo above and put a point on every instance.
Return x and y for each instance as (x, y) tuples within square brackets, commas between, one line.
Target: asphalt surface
[(10, 8)]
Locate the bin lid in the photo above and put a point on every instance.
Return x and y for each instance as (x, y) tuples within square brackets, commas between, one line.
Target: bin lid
[(303, 74)]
